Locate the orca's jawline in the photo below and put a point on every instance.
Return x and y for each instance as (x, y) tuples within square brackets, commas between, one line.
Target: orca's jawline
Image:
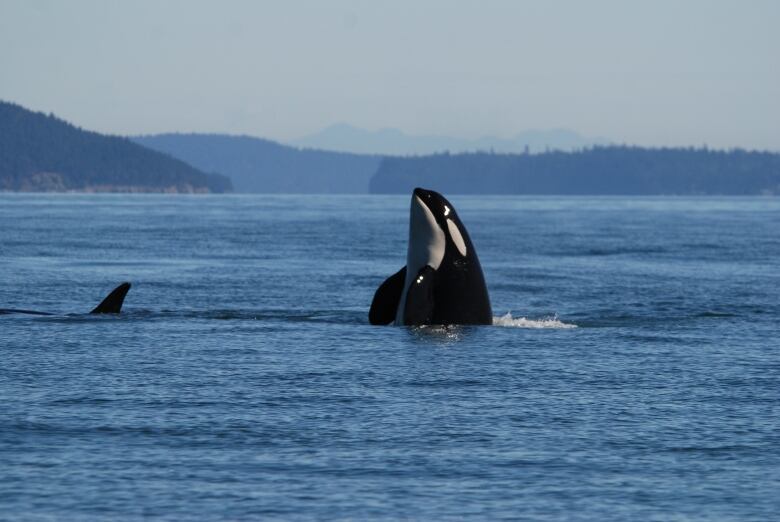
[(426, 247)]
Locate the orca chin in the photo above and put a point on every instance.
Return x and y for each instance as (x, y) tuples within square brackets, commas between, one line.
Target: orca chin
[(112, 304), (442, 282)]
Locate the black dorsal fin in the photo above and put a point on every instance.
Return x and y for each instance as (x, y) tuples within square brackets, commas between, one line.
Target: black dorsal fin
[(113, 303), (386, 299)]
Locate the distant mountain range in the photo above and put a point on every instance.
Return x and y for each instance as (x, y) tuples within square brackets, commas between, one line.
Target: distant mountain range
[(595, 171), (40, 152), (258, 165), (43, 153), (392, 142)]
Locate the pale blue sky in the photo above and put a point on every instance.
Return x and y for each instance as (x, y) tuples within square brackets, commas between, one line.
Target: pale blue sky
[(659, 72)]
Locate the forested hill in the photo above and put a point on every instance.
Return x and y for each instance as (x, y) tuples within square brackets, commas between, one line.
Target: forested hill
[(43, 153), (599, 170), (258, 165)]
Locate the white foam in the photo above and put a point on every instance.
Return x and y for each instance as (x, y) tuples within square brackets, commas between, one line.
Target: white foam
[(521, 322)]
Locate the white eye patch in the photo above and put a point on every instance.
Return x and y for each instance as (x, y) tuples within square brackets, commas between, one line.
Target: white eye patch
[(456, 236)]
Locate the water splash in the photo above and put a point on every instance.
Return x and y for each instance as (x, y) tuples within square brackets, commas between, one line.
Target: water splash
[(521, 322)]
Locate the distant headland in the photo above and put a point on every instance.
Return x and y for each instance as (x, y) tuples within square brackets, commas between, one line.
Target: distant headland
[(262, 166), (41, 153), (612, 170)]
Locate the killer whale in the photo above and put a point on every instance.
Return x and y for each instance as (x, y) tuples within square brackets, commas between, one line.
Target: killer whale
[(442, 282), (112, 304)]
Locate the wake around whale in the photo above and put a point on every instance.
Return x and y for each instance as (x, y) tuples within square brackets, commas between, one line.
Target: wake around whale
[(112, 304), (442, 282)]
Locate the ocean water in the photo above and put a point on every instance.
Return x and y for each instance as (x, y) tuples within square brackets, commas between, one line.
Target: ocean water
[(633, 372)]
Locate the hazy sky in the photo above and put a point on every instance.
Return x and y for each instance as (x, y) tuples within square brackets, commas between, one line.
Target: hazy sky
[(682, 72)]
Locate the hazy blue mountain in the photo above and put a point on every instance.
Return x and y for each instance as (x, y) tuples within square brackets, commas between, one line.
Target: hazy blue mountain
[(343, 137), (258, 165), (600, 170), (43, 153)]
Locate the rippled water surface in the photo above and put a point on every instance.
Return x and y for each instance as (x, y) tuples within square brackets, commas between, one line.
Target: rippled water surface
[(632, 373)]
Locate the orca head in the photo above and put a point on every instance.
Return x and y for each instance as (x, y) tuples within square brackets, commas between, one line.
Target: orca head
[(433, 226), (436, 236)]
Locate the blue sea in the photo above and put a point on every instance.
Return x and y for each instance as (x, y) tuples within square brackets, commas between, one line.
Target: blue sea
[(633, 371)]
